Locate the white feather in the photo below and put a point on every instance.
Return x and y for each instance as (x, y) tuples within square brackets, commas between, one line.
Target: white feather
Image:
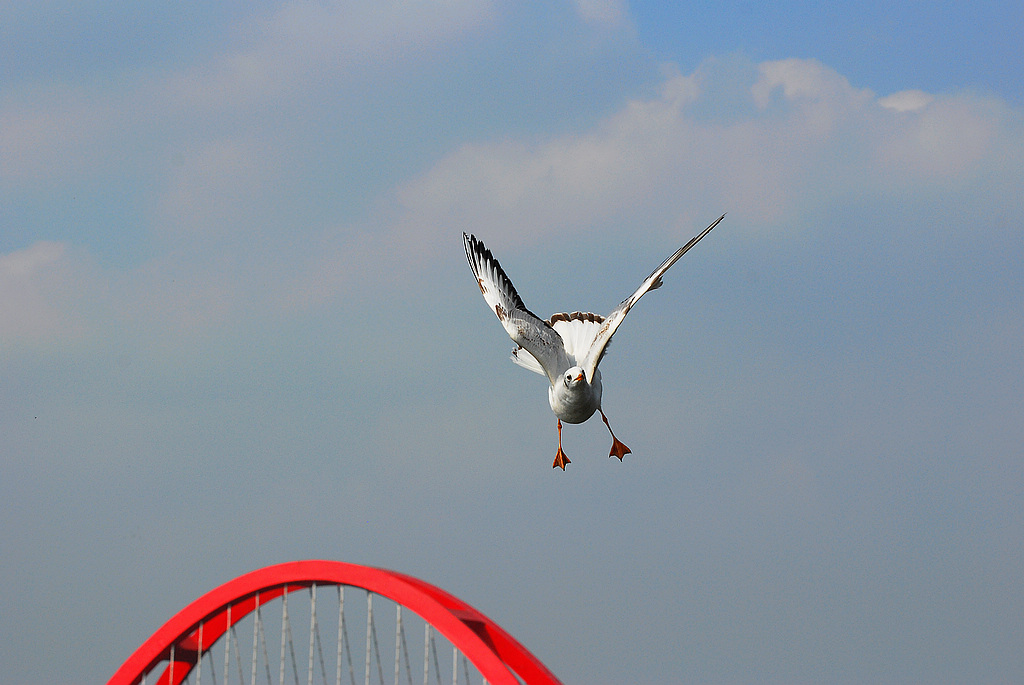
[(526, 360), (577, 333)]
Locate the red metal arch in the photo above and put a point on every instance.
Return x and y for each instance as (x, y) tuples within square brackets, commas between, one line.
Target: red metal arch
[(495, 653)]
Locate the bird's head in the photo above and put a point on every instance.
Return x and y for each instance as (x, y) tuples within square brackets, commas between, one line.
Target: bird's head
[(574, 376)]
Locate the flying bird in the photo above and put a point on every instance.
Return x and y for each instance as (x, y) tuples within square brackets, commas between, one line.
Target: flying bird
[(566, 347)]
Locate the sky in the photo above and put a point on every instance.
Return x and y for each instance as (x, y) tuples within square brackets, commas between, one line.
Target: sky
[(237, 326)]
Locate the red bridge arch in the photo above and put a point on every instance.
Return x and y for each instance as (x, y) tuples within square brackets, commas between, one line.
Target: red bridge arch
[(495, 653)]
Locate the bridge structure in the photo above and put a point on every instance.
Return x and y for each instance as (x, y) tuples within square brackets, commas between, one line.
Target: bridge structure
[(326, 612)]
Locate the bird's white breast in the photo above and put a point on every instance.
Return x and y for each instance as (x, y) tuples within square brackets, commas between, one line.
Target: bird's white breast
[(578, 403)]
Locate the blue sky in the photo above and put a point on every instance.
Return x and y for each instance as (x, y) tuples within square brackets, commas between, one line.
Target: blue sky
[(237, 326), (934, 46)]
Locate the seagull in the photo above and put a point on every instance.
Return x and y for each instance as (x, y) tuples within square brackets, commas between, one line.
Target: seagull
[(566, 347)]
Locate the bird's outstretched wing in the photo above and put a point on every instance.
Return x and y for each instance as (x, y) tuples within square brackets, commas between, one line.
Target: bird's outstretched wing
[(528, 330), (612, 321)]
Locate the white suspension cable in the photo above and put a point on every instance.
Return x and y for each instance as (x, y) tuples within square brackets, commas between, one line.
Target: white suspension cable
[(369, 627), (312, 632), (343, 631), (284, 636), (213, 667), (230, 623), (398, 640), (342, 638), (426, 653), (371, 641), (316, 636), (376, 653), (405, 647), (266, 652), (227, 648), (199, 657), (255, 641), (238, 656), (437, 662)]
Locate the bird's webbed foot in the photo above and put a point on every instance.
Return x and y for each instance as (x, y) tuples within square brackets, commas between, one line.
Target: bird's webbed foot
[(619, 448), (560, 459)]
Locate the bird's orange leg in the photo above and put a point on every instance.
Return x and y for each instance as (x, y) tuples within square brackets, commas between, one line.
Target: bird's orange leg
[(560, 459), (619, 449)]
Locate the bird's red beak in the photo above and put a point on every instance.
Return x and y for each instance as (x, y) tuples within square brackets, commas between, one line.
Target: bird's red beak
[(579, 377)]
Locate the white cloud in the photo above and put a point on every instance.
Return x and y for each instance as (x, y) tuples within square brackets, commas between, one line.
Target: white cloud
[(51, 134), (801, 79), (22, 265), (303, 45), (38, 288), (568, 182), (906, 100), (804, 139), (349, 28), (215, 191), (657, 160), (942, 141), (206, 145), (608, 12), (56, 132)]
